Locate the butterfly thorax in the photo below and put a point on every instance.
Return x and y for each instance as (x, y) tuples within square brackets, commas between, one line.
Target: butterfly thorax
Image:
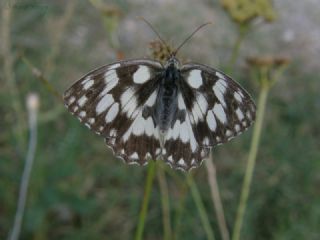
[(167, 98)]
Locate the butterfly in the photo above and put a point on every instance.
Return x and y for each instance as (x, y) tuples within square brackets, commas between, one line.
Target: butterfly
[(146, 110)]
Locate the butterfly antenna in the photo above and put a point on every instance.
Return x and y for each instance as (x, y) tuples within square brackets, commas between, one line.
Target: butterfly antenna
[(154, 30), (188, 38)]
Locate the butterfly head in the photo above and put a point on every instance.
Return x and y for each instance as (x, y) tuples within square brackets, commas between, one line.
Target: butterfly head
[(172, 62)]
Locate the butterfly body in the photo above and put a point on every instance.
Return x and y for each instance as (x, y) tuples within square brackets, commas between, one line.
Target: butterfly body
[(145, 110), (167, 98)]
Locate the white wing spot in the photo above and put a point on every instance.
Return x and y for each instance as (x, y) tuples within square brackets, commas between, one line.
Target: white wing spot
[(202, 102), (170, 159), (199, 108), (205, 141), (181, 103), (220, 85), (87, 79), (141, 75), (113, 133), (148, 156), (109, 86), (104, 103), (130, 108), (82, 101), (219, 93), (196, 112), (88, 84), (219, 113), (110, 76), (158, 151), (203, 153), (128, 102), (249, 115), (237, 96), (193, 162), (219, 75), (82, 114), (75, 108), (134, 155), (228, 133), (176, 130), (112, 113), (239, 114), (181, 162), (195, 79), (211, 121), (149, 127), (71, 100), (237, 128), (152, 99), (138, 125), (114, 66), (91, 120), (183, 132)]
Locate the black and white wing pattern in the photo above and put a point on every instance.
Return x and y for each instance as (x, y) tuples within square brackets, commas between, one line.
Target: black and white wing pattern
[(115, 101), (110, 99), (217, 108)]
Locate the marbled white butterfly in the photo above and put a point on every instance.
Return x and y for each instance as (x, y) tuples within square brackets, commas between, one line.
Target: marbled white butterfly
[(148, 110)]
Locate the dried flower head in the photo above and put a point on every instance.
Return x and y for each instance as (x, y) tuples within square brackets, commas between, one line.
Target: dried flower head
[(245, 11), (159, 51), (268, 68), (33, 102), (268, 61)]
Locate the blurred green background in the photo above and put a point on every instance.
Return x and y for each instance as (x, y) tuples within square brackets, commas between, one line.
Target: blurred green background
[(78, 190)]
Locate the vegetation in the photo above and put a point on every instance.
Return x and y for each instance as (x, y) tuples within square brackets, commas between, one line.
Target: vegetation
[(78, 190)]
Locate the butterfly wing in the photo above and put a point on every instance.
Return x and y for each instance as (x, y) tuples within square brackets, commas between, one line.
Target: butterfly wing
[(110, 100), (217, 109)]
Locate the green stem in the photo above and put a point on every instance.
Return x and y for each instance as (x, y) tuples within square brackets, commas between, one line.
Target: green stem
[(215, 194), (25, 179), (146, 197), (251, 161), (202, 211), (243, 29), (165, 204), (39, 75)]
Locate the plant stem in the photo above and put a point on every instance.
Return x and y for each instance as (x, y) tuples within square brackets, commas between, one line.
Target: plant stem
[(201, 209), (57, 36), (39, 75), (243, 29), (165, 204), (146, 197), (214, 187), (251, 161), (24, 184)]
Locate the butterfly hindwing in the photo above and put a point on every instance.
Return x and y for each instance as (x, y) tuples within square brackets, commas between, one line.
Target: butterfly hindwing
[(110, 101)]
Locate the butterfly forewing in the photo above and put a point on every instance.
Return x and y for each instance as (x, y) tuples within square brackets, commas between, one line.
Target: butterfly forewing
[(110, 100), (221, 108)]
